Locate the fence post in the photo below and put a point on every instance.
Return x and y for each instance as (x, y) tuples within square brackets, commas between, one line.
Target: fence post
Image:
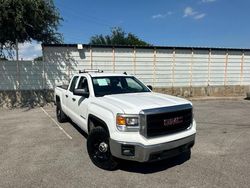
[(241, 67), (43, 73), (154, 67), (225, 74), (191, 68), (134, 60), (113, 59), (173, 70), (91, 60), (209, 66), (17, 75)]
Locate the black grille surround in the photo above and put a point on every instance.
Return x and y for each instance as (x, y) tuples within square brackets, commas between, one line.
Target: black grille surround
[(167, 120)]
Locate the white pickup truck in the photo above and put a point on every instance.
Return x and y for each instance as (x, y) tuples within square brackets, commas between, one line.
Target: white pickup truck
[(125, 119)]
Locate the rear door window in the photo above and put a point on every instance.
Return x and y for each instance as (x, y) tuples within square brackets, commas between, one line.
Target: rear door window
[(73, 84)]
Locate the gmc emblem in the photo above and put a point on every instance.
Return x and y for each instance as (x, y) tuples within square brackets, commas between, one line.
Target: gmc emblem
[(172, 121)]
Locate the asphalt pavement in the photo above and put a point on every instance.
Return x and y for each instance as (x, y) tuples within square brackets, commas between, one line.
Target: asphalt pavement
[(36, 151)]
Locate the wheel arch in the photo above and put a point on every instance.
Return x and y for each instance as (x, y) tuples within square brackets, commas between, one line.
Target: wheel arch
[(96, 122), (57, 99)]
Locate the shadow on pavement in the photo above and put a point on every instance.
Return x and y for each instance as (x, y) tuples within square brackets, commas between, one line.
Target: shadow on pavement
[(152, 167)]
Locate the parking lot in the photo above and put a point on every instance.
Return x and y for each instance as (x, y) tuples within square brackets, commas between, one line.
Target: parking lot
[(36, 151)]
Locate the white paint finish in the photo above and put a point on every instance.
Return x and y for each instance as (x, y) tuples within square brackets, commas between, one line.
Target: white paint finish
[(107, 107)]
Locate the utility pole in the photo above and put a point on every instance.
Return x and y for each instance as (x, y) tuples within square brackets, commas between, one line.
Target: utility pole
[(17, 66), (17, 56)]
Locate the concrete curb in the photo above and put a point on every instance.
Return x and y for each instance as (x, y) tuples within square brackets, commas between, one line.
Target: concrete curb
[(216, 98)]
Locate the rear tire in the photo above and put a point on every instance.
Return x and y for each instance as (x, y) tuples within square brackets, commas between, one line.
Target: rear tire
[(99, 149), (61, 116)]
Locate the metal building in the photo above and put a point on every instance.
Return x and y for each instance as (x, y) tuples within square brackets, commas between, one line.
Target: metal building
[(178, 70)]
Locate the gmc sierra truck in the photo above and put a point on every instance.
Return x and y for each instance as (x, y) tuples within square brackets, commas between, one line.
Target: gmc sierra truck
[(125, 119)]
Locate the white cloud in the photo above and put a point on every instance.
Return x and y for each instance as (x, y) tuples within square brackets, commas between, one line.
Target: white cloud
[(199, 16), (207, 1), (190, 12), (161, 16), (158, 16), (29, 51)]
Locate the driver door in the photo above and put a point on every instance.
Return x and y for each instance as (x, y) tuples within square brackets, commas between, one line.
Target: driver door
[(81, 104)]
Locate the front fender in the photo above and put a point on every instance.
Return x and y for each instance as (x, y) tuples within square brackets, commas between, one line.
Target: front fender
[(105, 114)]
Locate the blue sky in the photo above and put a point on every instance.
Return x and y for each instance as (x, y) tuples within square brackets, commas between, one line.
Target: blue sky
[(213, 23)]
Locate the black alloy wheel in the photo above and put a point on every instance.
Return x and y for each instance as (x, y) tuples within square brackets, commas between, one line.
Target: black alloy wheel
[(99, 150), (61, 116)]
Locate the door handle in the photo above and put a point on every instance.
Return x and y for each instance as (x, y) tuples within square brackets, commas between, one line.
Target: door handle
[(73, 99), (66, 96)]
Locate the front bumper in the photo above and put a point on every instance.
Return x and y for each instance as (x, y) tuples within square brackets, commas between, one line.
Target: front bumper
[(143, 153)]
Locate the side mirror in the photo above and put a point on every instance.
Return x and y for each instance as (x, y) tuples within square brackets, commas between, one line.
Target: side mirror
[(81, 92), (150, 87)]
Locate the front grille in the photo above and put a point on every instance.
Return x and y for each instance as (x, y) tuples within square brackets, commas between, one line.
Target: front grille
[(168, 120)]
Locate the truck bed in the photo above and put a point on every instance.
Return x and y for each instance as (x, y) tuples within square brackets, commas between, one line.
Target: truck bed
[(63, 86)]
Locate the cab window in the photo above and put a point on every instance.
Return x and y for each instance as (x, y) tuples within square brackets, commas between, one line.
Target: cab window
[(73, 84), (83, 84)]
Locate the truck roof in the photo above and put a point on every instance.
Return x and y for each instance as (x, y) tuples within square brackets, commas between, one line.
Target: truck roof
[(95, 74)]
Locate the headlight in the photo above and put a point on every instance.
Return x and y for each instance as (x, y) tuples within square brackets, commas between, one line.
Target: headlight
[(125, 122)]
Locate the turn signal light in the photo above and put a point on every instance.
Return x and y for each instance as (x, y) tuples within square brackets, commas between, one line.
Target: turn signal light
[(120, 120)]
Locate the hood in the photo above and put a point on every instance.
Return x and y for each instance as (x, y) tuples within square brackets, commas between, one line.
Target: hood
[(133, 103)]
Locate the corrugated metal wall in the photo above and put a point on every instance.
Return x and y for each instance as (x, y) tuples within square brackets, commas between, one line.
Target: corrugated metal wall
[(24, 75), (8, 75), (162, 68), (159, 67)]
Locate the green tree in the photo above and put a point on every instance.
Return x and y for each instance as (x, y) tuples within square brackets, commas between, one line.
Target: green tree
[(27, 20), (39, 58), (117, 37)]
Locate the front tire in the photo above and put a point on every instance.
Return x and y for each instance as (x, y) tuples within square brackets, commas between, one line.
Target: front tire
[(60, 115), (99, 150)]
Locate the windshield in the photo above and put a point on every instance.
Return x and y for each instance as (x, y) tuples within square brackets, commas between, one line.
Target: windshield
[(117, 85)]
